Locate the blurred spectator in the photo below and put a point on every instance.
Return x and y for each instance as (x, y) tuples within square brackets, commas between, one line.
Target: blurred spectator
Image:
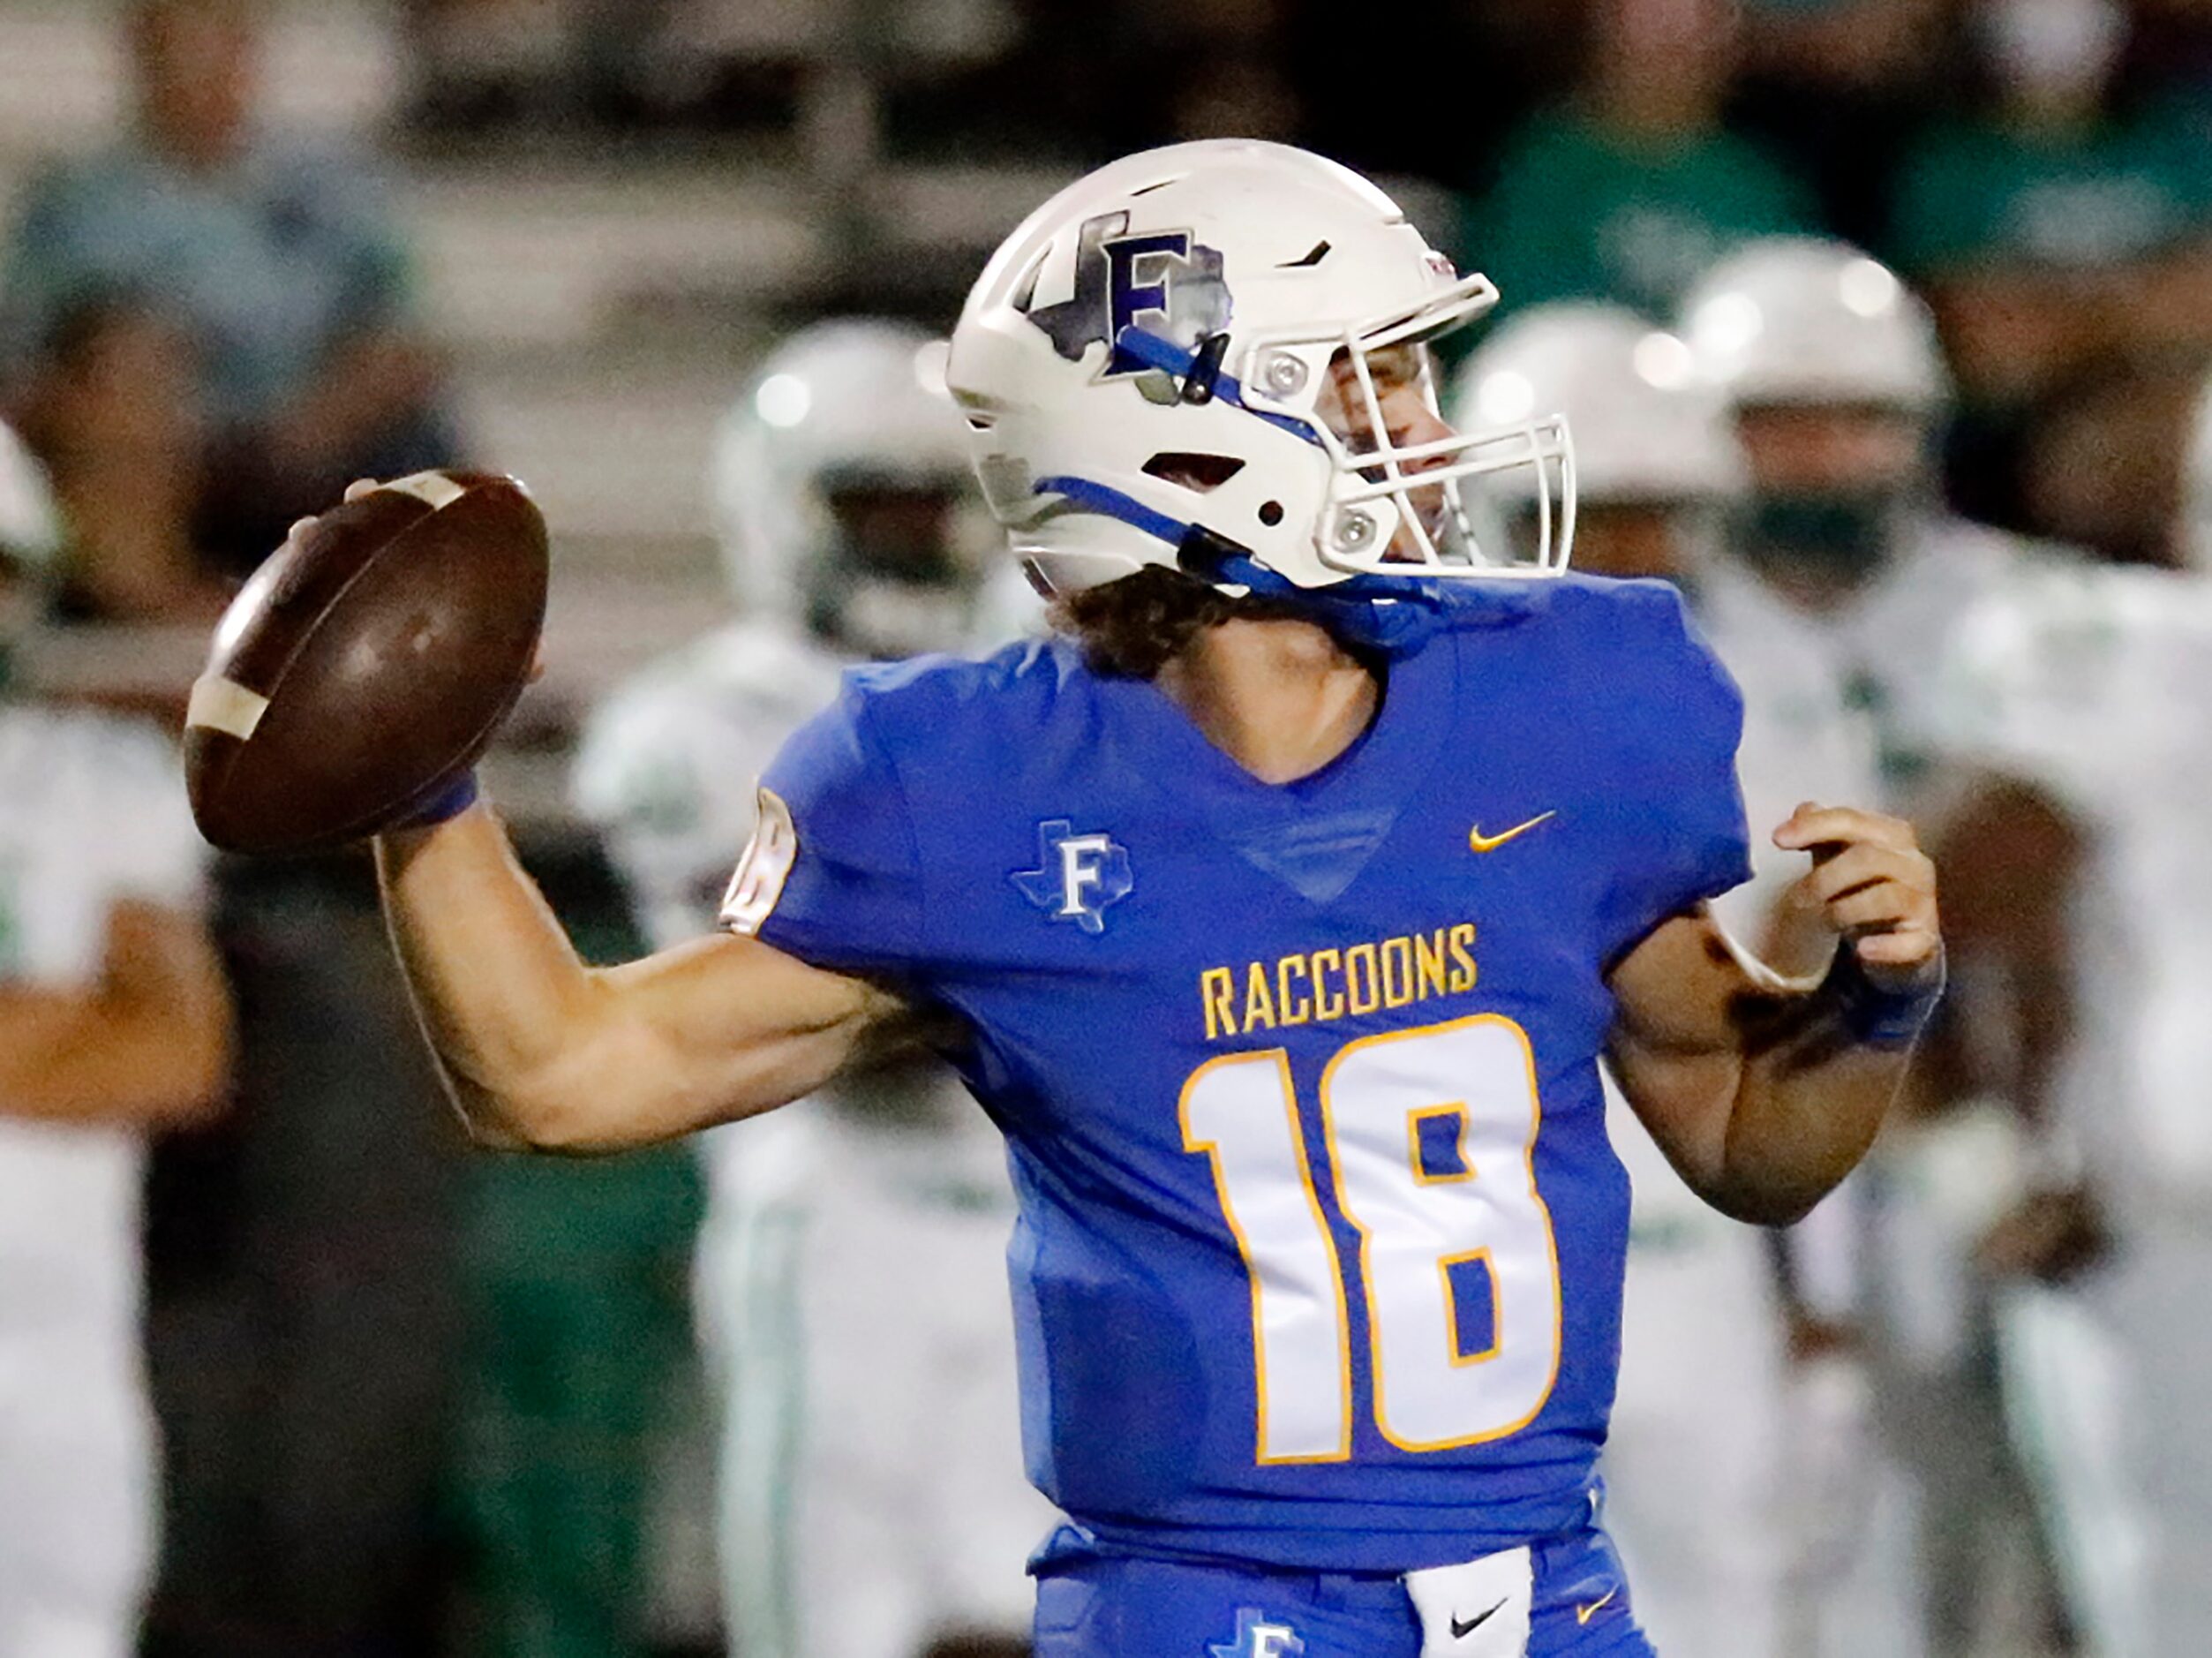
[(207, 330), (2051, 233), (1839, 88), (1630, 187), (1496, 61), (2169, 58), (1229, 76), (2102, 464), (114, 1019)]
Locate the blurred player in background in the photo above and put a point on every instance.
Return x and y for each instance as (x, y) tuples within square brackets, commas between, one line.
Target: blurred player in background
[(1695, 1459), (114, 1019), (852, 1271), (1832, 371), (1371, 946), (2095, 682)]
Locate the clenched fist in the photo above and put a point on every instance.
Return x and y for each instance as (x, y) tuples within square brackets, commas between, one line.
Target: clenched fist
[(1872, 884)]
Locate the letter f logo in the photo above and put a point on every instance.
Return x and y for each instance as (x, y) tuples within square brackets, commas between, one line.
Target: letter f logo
[(1077, 876)]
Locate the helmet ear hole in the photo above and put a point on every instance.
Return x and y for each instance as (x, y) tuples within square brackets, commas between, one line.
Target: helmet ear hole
[(1271, 513), (1202, 474)]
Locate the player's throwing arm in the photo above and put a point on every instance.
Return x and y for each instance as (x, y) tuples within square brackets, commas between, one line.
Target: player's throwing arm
[(422, 600)]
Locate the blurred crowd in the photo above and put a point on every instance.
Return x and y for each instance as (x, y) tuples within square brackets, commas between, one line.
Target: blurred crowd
[(1885, 325)]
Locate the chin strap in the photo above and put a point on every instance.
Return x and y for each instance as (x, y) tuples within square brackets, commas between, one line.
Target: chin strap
[(1388, 613)]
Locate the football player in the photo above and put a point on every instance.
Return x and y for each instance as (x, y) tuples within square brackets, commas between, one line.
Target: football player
[(2093, 681), (1693, 1459), (868, 1508), (114, 1019), (1832, 372), (1279, 911)]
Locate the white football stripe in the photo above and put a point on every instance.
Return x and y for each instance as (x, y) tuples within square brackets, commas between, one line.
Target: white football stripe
[(223, 704), (435, 488)]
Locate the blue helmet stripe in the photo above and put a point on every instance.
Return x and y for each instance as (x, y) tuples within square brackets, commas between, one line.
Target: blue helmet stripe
[(1113, 503), (1155, 351)]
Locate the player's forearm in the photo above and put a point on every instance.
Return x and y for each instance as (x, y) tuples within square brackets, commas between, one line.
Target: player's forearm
[(502, 993), (1808, 1103), (543, 1052)]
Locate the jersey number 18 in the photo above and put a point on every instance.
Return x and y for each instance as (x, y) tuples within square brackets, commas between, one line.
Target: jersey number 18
[(1417, 1226)]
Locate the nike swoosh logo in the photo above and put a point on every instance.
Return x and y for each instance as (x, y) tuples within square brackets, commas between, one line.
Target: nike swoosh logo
[(1460, 1630), (1584, 1613), (1481, 842)]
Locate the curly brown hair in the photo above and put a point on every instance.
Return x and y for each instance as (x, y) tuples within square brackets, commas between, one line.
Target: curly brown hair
[(1132, 627)]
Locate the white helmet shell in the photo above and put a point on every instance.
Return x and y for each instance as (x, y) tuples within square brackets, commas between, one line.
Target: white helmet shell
[(1801, 320), (1647, 429), (30, 523), (854, 397), (1141, 362)]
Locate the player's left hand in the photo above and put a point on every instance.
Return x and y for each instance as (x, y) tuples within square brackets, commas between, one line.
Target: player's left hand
[(1869, 883)]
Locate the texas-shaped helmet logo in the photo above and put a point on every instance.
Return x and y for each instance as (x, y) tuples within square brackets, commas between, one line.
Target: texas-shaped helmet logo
[(1077, 875), (1165, 281)]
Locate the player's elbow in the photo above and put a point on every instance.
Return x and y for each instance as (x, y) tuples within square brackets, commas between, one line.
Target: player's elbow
[(1762, 1204), (584, 1102), (555, 1122)]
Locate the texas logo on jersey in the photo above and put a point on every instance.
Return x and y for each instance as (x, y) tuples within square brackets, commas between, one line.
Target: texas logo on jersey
[(1077, 875)]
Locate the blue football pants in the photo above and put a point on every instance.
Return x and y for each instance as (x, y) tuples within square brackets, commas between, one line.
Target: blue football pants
[(1094, 1605)]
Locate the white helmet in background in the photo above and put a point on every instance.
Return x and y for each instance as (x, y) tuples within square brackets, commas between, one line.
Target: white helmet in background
[(1647, 430), (2196, 486), (30, 546), (844, 411), (1801, 320), (1140, 364), (30, 524)]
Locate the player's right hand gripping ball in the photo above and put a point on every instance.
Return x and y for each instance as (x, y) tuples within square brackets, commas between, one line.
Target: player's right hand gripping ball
[(367, 663)]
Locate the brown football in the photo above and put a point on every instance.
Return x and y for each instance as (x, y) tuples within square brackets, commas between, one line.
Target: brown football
[(367, 663)]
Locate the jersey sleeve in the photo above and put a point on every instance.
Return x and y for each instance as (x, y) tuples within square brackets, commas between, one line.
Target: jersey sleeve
[(832, 876), (1676, 806)]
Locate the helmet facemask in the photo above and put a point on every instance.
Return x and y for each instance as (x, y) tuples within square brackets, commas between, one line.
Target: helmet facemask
[(1392, 508)]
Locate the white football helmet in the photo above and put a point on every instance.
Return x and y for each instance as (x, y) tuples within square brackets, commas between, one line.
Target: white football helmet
[(2196, 486), (30, 523), (847, 405), (1798, 321), (1647, 429), (1140, 365)]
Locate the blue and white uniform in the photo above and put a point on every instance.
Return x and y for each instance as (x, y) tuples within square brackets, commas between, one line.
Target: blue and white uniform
[(1319, 1261)]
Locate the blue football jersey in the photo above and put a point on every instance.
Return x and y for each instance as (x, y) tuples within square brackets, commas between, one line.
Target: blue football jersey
[(1319, 1254)]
